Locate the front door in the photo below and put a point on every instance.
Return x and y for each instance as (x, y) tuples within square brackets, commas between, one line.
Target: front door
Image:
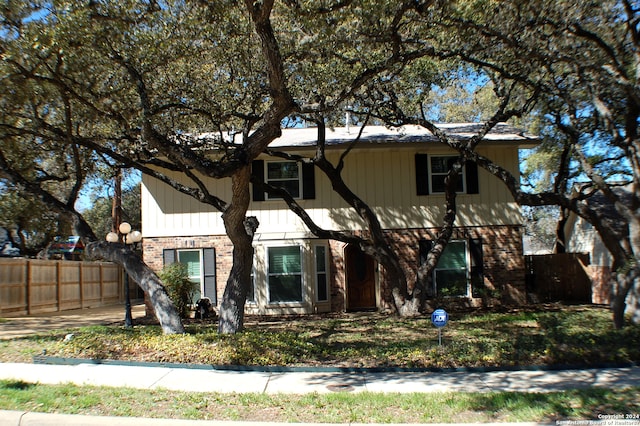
[(361, 283)]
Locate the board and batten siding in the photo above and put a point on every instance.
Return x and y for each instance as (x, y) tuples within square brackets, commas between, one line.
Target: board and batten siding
[(384, 178)]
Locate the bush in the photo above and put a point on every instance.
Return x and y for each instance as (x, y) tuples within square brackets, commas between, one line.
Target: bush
[(180, 288)]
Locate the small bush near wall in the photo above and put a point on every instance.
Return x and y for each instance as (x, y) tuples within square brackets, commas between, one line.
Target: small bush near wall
[(180, 288)]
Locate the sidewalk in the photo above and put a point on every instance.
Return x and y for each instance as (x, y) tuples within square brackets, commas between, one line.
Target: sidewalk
[(208, 379)]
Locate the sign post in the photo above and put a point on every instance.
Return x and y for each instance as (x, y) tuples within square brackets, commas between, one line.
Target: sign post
[(439, 318)]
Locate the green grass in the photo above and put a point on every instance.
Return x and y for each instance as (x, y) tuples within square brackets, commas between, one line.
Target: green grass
[(571, 335), (320, 408)]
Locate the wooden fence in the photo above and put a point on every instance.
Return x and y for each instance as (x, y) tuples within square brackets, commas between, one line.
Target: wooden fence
[(559, 277), (29, 286)]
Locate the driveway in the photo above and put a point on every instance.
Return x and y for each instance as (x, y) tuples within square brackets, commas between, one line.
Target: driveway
[(14, 327)]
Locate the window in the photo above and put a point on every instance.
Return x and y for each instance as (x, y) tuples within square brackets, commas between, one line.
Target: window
[(192, 259), (285, 175), (322, 290), (440, 167), (284, 275), (251, 294), (297, 178), (431, 171), (450, 277), (450, 274), (201, 267)]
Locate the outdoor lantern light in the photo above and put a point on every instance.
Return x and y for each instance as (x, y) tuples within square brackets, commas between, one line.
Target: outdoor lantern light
[(128, 237), (125, 228), (134, 237)]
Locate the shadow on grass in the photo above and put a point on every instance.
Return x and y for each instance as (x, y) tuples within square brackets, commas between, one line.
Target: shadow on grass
[(571, 404), (15, 385)]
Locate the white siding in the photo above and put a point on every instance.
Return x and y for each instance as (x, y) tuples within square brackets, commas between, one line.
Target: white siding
[(383, 178)]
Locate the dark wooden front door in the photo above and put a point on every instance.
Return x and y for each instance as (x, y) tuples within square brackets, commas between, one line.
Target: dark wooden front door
[(361, 283)]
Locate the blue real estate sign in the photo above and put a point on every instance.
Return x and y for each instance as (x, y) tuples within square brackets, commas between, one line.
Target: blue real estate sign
[(439, 318)]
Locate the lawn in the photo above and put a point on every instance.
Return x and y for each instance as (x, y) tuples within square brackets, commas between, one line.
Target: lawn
[(556, 335), (334, 408), (578, 335)]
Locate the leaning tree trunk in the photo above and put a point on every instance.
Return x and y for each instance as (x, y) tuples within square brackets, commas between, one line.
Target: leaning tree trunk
[(240, 231), (121, 254), (623, 282)]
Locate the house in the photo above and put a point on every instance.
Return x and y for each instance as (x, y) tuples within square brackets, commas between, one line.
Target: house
[(400, 173), (581, 237)]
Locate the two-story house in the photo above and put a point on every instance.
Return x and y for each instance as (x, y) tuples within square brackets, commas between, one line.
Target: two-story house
[(400, 174)]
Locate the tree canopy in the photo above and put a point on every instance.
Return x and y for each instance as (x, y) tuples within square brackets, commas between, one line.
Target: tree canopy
[(156, 85)]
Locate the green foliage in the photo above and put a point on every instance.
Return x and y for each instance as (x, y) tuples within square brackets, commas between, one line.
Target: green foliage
[(180, 288), (98, 215), (32, 224), (569, 336)]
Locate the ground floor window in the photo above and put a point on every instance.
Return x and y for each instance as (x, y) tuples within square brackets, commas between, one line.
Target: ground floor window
[(322, 282), (284, 275), (193, 260), (450, 274), (201, 269), (450, 277)]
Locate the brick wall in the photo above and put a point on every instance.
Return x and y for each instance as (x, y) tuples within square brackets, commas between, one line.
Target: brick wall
[(153, 253), (503, 260)]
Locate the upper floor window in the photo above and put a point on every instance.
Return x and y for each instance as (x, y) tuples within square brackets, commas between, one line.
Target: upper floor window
[(285, 175), (431, 171), (439, 167), (298, 178)]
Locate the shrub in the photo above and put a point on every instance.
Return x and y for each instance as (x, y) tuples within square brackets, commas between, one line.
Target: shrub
[(180, 288)]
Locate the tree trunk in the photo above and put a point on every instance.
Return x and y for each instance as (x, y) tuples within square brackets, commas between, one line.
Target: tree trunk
[(624, 281), (121, 254), (618, 306), (240, 230), (406, 304)]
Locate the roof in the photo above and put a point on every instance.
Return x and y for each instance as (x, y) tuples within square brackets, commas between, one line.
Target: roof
[(605, 209), (410, 134)]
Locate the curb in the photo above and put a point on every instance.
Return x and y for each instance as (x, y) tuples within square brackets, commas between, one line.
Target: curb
[(49, 360), (20, 418)]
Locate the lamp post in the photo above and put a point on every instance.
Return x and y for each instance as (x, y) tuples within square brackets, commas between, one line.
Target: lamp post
[(128, 237)]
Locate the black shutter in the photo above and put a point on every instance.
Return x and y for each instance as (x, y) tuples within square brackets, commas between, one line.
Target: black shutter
[(477, 267), (209, 272), (471, 169), (308, 181), (422, 174), (257, 171), (168, 256)]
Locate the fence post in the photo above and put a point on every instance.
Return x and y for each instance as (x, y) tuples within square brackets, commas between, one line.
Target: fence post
[(101, 283), (81, 280), (59, 283), (29, 295)]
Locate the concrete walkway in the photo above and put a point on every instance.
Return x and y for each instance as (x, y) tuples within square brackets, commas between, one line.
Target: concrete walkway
[(204, 379), (16, 327)]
